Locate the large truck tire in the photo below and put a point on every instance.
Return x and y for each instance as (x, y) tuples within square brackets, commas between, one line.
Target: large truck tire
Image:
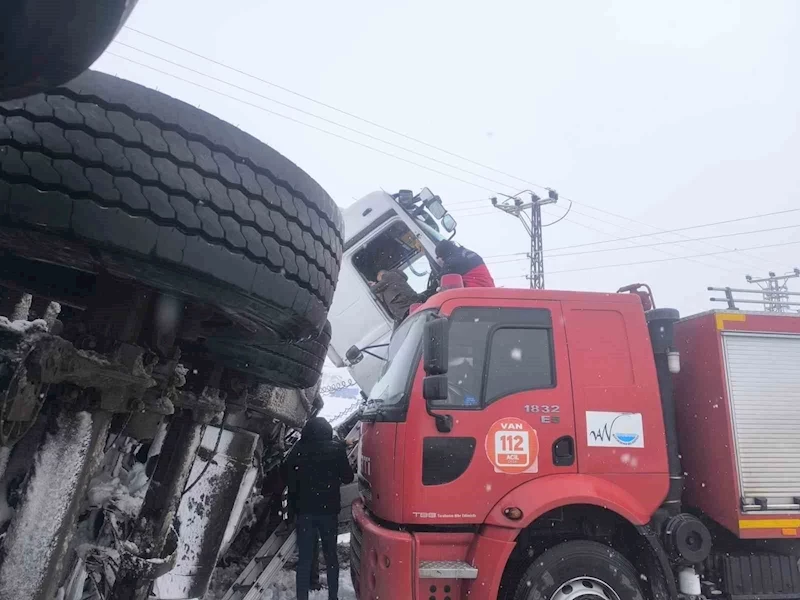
[(580, 569), (294, 365), (44, 43), (186, 202)]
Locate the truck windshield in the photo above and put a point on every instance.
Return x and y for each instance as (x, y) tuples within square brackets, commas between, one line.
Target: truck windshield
[(429, 226), (390, 394)]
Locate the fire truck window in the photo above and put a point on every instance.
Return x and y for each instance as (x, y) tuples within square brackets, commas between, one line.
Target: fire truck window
[(466, 351), (519, 360), (470, 329), (395, 248)]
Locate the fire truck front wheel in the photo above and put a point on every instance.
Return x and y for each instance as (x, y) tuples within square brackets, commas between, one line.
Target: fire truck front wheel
[(580, 570)]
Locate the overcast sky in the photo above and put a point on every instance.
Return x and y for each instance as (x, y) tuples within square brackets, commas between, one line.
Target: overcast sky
[(670, 114)]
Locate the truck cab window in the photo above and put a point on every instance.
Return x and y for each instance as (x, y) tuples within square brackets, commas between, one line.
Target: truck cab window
[(494, 352), (519, 360), (395, 248)]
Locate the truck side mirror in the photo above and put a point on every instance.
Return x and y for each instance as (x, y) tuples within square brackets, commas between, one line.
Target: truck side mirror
[(449, 223), (434, 387), (435, 347), (436, 207), (434, 361), (354, 355)]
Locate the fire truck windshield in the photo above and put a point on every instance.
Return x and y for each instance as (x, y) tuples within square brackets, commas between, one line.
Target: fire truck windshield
[(389, 396)]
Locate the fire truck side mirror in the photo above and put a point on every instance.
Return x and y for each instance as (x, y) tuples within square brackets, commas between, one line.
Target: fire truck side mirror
[(436, 341), (435, 359), (434, 388)]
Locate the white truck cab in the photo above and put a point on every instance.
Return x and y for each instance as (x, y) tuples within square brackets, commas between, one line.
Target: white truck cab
[(382, 231)]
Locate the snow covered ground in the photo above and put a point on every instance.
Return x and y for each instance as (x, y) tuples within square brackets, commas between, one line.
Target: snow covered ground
[(283, 586), (284, 589)]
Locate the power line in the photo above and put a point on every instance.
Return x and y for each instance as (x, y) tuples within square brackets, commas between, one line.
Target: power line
[(358, 132), (334, 108), (659, 230), (309, 125), (379, 126), (363, 120), (688, 228), (314, 115), (711, 237), (613, 239), (659, 233), (561, 218), (605, 233), (657, 260), (662, 251), (479, 212)]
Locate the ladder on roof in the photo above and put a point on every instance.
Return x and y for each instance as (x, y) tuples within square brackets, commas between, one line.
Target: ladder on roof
[(266, 564)]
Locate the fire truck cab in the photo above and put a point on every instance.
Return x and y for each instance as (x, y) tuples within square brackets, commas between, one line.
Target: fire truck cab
[(525, 445)]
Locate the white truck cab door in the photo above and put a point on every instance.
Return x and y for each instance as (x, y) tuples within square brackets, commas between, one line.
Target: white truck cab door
[(357, 319), (357, 316)]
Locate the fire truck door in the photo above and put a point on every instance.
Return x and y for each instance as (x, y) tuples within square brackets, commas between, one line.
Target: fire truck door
[(510, 399)]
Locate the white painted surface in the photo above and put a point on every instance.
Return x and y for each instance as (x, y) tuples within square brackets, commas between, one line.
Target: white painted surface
[(614, 429)]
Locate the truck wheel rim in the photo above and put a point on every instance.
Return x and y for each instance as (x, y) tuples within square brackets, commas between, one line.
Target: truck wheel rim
[(585, 588)]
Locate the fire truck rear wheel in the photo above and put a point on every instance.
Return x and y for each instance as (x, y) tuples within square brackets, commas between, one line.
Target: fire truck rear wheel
[(580, 570), (173, 197)]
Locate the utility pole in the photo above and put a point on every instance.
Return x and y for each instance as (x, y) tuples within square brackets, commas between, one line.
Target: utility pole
[(775, 290), (530, 214)]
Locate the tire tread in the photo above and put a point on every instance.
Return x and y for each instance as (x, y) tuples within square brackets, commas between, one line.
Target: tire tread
[(147, 174)]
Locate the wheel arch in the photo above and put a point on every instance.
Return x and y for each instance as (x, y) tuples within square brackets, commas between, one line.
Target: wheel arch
[(538, 497), (584, 507)]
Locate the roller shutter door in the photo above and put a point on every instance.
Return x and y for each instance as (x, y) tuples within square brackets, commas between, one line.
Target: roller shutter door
[(763, 373)]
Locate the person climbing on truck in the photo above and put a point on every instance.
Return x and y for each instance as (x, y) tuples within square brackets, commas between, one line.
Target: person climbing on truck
[(395, 292), (315, 473), (455, 259)]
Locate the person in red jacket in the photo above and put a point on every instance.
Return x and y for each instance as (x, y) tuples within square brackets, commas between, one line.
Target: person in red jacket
[(456, 259)]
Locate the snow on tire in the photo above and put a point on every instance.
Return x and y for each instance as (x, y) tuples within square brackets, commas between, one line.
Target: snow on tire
[(183, 201)]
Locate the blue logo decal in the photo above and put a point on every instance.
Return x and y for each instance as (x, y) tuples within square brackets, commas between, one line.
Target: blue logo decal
[(614, 429), (626, 438)]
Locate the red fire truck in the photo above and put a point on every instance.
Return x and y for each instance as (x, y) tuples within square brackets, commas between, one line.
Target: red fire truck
[(543, 445)]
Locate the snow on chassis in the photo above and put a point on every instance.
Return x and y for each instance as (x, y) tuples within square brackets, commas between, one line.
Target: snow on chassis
[(165, 281)]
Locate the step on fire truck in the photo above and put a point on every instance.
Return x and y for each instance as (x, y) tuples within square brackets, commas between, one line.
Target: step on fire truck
[(523, 444)]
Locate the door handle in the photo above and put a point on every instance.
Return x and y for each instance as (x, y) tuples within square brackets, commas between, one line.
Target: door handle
[(564, 451)]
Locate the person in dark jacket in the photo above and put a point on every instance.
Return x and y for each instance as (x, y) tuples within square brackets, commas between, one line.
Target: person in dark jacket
[(460, 261), (316, 470), (395, 292)]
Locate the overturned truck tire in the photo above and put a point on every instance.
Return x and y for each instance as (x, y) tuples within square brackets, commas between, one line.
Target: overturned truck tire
[(175, 198), (295, 364)]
